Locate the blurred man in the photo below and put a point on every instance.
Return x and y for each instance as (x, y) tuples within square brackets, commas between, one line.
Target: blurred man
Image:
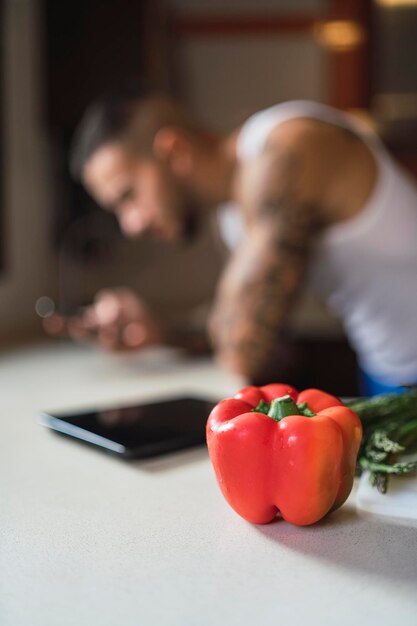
[(321, 201)]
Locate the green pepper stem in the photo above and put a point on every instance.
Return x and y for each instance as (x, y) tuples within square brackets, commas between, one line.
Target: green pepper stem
[(304, 410), (282, 407)]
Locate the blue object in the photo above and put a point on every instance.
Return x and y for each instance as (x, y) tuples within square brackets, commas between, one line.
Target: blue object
[(371, 386)]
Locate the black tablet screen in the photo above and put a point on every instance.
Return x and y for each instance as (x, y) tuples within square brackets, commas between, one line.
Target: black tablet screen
[(138, 431)]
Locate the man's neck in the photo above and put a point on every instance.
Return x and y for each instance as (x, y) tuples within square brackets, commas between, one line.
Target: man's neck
[(226, 164), (212, 181)]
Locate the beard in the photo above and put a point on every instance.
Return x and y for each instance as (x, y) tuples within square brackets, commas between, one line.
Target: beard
[(192, 212), (191, 226), (189, 211)]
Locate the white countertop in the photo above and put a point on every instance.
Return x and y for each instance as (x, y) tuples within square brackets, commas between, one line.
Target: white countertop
[(88, 539)]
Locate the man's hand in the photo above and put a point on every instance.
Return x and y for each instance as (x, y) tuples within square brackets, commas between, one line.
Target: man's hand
[(118, 320)]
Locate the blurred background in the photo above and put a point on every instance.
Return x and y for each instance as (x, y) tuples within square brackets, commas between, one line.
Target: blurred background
[(225, 59)]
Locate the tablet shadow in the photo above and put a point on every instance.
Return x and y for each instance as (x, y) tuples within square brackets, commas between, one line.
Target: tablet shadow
[(167, 462)]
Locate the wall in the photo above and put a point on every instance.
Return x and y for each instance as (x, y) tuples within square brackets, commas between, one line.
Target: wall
[(227, 78), (29, 270)]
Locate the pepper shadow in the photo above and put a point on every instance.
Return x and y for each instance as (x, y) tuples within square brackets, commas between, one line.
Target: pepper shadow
[(382, 548)]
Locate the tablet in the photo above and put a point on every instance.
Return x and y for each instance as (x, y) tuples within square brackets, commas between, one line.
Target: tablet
[(139, 431)]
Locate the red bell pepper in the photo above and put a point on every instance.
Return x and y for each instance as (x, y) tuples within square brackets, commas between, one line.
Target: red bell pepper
[(277, 451)]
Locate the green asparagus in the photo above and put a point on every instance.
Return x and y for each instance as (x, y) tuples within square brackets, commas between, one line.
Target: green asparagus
[(389, 432)]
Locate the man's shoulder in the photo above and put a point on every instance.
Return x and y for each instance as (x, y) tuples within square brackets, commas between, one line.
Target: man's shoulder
[(304, 162), (317, 164), (304, 134), (295, 118)]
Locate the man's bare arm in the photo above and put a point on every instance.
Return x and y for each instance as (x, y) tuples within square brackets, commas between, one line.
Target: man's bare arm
[(264, 277)]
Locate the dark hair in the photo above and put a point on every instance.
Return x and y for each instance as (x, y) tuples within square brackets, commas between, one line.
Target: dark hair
[(104, 120), (131, 117)]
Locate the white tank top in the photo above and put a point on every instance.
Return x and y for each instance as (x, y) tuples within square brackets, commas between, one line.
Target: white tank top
[(366, 266)]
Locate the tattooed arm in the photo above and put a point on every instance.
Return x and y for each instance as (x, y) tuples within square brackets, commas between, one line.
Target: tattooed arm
[(281, 205)]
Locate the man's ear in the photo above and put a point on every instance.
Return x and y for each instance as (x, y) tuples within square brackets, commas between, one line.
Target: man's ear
[(173, 146)]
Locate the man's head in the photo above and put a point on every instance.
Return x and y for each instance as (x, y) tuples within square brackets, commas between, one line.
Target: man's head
[(148, 161)]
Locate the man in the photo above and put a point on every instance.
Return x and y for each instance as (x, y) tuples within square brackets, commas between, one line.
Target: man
[(321, 201)]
